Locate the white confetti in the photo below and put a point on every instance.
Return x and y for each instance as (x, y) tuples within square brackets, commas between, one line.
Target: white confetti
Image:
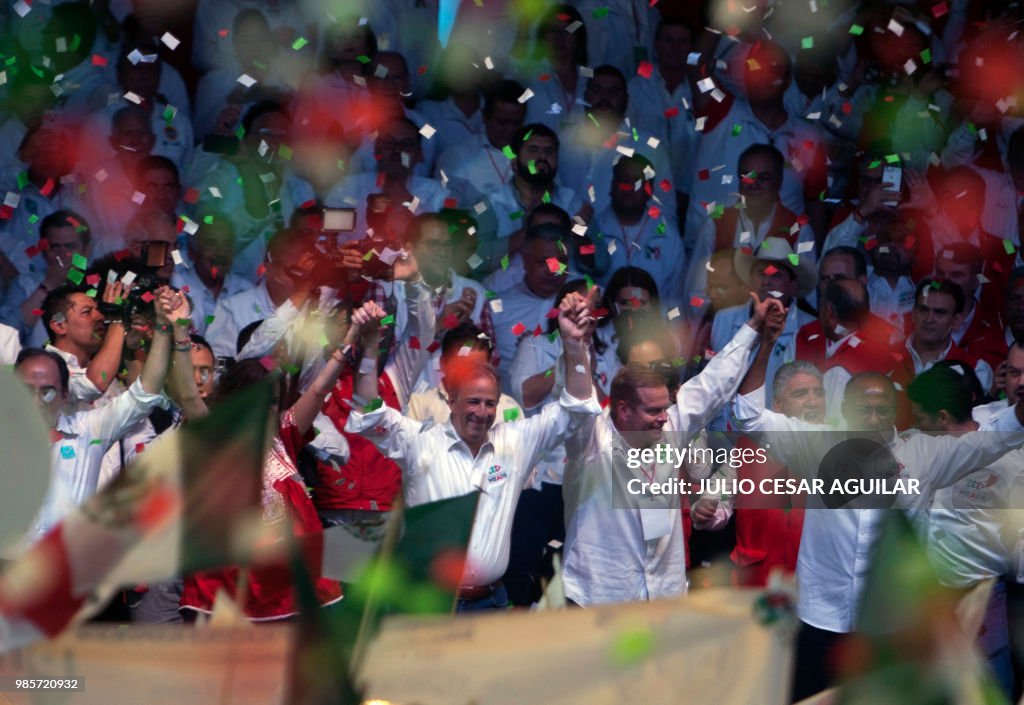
[(215, 192), (527, 94), (176, 257), (101, 175), (480, 207), (804, 247), (133, 98), (693, 58), (574, 26), (488, 63), (138, 198), (706, 85), (12, 199), (611, 247), (625, 151), (673, 314), (128, 278), (22, 8), (653, 142), (496, 306), (474, 261), (775, 294), (699, 126), (910, 67), (718, 95), (579, 229), (170, 41), (895, 27), (61, 45), (586, 72), (246, 80), (135, 56), (427, 131)]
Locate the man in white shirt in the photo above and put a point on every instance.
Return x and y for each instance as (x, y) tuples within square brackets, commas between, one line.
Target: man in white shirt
[(88, 341), (205, 272), (591, 148), (82, 438), (479, 166), (470, 452), (938, 310), (626, 234), (234, 313), (836, 544), (620, 548), (392, 183), (503, 223)]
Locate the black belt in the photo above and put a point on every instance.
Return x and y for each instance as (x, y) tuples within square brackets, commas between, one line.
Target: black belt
[(478, 593)]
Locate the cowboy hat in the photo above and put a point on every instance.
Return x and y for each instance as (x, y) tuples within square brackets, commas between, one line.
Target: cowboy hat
[(778, 250)]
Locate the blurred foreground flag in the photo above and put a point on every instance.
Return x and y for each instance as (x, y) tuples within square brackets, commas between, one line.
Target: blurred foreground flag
[(190, 502)]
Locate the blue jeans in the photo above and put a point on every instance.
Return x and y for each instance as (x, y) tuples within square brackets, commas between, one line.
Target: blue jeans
[(498, 600)]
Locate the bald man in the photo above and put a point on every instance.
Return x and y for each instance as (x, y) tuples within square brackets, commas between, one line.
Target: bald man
[(836, 543)]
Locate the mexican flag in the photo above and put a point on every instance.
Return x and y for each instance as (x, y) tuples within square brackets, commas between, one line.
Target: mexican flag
[(190, 502)]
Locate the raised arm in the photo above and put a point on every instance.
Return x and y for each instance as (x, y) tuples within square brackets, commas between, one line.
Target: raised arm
[(158, 358), (408, 361), (103, 367), (181, 386), (774, 322), (576, 324)]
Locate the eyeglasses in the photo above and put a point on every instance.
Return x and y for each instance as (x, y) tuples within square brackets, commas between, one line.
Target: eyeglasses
[(44, 394)]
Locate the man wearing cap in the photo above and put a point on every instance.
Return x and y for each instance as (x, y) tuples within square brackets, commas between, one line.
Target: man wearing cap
[(771, 273)]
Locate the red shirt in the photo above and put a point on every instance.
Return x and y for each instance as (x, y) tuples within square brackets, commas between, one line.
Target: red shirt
[(369, 481)]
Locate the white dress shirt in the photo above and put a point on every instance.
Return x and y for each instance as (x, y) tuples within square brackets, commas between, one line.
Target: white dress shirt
[(517, 305), (437, 464), (81, 390), (649, 100), (204, 303), (10, 345), (890, 303), (837, 544), (85, 437), (234, 313), (620, 553), (452, 125), (474, 169), (981, 368), (652, 244)]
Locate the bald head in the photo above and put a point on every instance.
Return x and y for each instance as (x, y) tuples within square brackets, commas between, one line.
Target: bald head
[(869, 403)]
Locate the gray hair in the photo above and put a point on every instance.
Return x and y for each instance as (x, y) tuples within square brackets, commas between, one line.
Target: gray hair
[(791, 370)]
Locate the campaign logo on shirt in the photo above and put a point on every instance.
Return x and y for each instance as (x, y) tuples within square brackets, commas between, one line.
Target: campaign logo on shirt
[(496, 474)]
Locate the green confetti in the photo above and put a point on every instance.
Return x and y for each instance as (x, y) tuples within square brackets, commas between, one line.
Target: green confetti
[(632, 646), (636, 135), (240, 132), (96, 441), (22, 180), (387, 320), (507, 151), (285, 152), (208, 219), (794, 259), (892, 158), (874, 164), (363, 59), (856, 30), (504, 262), (368, 256), (736, 129), (169, 112), (33, 219), (79, 261), (546, 198), (490, 295), (510, 414), (91, 293), (299, 43), (11, 61), (515, 215), (593, 119), (926, 56), (549, 372), (600, 12), (76, 276), (807, 43), (1008, 246), (373, 405), (183, 322), (531, 166), (661, 228), (209, 319), (76, 41)]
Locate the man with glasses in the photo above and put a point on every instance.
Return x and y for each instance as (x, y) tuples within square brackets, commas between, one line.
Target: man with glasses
[(386, 198)]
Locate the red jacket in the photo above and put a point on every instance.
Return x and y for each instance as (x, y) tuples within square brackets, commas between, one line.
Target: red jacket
[(369, 480), (781, 225)]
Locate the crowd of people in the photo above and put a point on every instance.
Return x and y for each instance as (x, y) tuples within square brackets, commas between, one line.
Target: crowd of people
[(498, 266)]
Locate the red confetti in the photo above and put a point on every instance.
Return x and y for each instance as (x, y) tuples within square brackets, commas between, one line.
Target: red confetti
[(847, 108), (98, 60), (940, 9), (645, 69), (37, 312), (422, 70), (665, 185), (703, 174), (803, 219), (696, 302), (654, 212), (47, 188), (450, 203), (672, 112), (433, 346), (6, 212), (32, 250), (537, 331), (518, 329), (414, 343), (553, 313), (554, 265), (121, 254), (450, 321), (191, 195), (92, 279), (222, 32), (307, 204), (268, 362), (544, 77), (147, 296), (261, 270), (770, 270), (600, 313), (139, 447), (588, 249)]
